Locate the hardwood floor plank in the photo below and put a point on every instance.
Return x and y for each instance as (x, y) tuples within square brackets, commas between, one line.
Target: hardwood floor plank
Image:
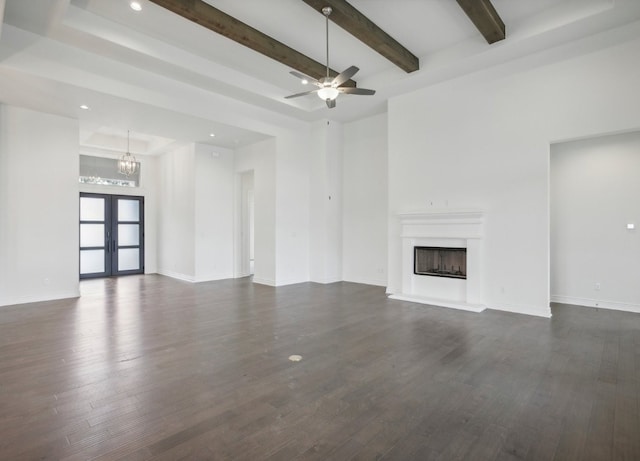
[(150, 368)]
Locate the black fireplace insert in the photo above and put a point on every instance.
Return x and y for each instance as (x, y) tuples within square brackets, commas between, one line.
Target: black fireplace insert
[(440, 262)]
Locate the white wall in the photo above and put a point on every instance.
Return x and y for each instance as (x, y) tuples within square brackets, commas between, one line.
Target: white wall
[(595, 193), (261, 159), (195, 213), (325, 186), (39, 166), (214, 189), (199, 236), (482, 142), (292, 207), (176, 218), (364, 248)]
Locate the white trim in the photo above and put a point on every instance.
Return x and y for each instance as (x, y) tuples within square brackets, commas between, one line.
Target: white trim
[(326, 281), (439, 302), (450, 224), (177, 275), (390, 291), (596, 303), (261, 281), (292, 281), (39, 298), (213, 277), (536, 311), (374, 282)]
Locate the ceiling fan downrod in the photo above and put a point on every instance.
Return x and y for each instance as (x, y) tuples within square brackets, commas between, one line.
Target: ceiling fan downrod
[(327, 11)]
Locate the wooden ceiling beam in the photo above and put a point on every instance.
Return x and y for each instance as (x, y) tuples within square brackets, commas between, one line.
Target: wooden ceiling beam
[(361, 27), (485, 17), (220, 22)]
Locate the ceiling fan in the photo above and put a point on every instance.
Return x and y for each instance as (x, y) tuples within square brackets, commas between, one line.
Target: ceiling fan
[(329, 88)]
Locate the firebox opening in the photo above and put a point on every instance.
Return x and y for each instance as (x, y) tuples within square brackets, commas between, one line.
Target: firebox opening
[(440, 262)]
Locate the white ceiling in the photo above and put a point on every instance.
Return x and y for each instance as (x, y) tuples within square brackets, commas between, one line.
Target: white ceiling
[(171, 81)]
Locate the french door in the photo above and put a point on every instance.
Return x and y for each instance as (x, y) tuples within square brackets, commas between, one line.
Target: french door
[(111, 235)]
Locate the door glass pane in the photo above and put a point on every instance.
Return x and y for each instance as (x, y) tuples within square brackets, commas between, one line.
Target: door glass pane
[(128, 259), (91, 261), (128, 210), (128, 234), (91, 235), (91, 209)]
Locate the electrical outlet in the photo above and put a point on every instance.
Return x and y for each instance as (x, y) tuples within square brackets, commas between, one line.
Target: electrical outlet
[(597, 287)]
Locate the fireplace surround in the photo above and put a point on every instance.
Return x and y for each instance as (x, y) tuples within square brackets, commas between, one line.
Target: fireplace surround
[(459, 231)]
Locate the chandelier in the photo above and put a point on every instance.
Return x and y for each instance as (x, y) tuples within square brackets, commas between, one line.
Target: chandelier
[(127, 164)]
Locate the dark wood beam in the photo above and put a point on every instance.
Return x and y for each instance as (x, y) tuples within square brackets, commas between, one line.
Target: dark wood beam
[(218, 21), (361, 27), (485, 17)]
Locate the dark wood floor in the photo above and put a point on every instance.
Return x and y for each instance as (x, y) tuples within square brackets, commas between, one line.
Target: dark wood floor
[(146, 367)]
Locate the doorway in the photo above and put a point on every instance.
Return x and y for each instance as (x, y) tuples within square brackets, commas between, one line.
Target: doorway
[(111, 235), (594, 245)]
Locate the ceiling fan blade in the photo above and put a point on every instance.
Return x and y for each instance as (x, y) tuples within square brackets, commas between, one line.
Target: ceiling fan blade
[(344, 76), (352, 90), (305, 77), (331, 103), (304, 93)]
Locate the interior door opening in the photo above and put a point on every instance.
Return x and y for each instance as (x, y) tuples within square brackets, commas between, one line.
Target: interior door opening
[(111, 235)]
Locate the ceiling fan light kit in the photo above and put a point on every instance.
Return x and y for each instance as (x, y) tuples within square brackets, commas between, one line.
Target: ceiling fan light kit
[(328, 92), (329, 88)]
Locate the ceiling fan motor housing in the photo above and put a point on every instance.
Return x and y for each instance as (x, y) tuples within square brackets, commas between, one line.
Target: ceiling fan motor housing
[(329, 88)]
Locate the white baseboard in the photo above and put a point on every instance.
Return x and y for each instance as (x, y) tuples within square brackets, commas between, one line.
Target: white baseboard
[(537, 311), (596, 303), (327, 280), (290, 281), (515, 308), (212, 277), (374, 282), (177, 275), (439, 302), (261, 281), (391, 290), (10, 301)]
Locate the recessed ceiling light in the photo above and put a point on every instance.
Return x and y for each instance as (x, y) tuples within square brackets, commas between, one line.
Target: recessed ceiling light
[(84, 107), (135, 6), (213, 135), (304, 81)]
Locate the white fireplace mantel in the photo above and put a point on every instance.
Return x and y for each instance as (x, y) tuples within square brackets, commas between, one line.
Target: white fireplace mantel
[(448, 228), (442, 224)]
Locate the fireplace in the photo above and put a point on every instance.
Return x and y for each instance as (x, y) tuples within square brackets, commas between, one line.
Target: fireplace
[(442, 259), (440, 262)]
